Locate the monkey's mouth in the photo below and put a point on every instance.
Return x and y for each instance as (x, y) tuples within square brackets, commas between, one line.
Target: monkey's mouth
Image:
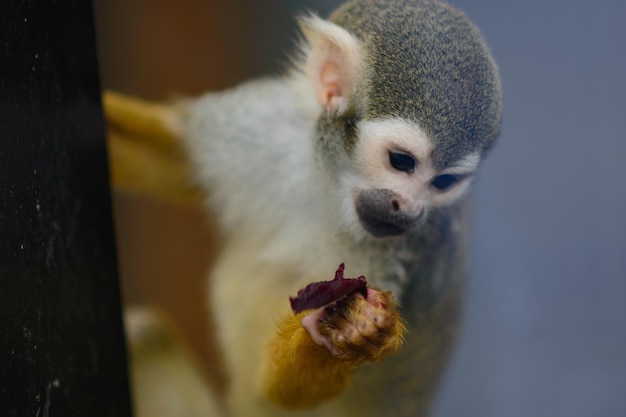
[(379, 226)]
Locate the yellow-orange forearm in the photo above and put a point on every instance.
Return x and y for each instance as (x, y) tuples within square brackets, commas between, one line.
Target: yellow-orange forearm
[(146, 150), (301, 373)]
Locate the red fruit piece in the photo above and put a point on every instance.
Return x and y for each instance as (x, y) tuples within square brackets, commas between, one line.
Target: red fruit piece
[(319, 294)]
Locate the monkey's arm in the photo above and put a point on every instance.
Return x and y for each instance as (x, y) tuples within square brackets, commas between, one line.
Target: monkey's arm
[(313, 355), (300, 372), (146, 149)]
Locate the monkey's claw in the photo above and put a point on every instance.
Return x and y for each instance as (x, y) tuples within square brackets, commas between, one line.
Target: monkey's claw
[(356, 328)]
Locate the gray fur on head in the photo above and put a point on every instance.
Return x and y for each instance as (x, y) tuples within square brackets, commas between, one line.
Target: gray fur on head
[(426, 62)]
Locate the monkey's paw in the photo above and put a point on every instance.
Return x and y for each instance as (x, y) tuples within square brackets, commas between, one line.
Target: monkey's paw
[(357, 328)]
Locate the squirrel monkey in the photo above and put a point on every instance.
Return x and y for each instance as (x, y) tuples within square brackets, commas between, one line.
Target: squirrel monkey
[(363, 153)]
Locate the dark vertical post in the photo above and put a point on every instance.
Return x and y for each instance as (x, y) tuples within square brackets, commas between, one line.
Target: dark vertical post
[(61, 341)]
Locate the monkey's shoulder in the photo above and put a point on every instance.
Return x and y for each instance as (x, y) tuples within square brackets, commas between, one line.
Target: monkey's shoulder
[(251, 109)]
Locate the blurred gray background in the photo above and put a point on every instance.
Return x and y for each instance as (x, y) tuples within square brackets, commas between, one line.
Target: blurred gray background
[(545, 331), (545, 317)]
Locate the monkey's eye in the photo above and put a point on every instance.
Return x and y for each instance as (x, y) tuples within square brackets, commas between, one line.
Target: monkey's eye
[(445, 181), (402, 162)]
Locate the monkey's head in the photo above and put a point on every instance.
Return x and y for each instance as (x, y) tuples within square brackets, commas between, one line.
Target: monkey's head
[(410, 103)]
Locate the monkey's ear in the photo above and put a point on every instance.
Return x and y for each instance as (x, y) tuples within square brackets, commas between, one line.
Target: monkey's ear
[(332, 62)]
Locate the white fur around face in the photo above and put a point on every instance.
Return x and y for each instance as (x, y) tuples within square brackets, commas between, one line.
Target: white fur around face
[(374, 170)]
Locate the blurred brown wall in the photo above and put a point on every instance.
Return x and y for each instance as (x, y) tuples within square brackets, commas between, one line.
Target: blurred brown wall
[(156, 49)]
